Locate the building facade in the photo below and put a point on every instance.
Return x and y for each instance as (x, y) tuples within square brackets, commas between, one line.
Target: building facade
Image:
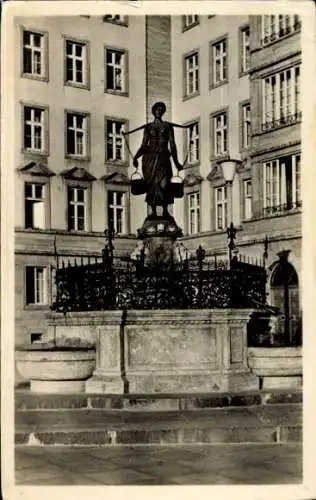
[(81, 82)]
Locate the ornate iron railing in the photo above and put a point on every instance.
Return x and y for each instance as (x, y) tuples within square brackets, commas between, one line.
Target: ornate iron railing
[(110, 283)]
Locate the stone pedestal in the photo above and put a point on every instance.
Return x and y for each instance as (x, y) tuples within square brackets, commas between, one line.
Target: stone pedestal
[(175, 351)]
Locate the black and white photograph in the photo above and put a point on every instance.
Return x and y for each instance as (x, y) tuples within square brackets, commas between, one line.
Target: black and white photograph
[(156, 205)]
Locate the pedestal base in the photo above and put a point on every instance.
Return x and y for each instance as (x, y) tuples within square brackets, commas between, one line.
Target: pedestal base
[(57, 386), (99, 384)]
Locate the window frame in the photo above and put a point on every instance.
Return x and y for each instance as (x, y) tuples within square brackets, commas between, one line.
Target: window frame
[(242, 106), (243, 70), (194, 190), (280, 189), (33, 199), (44, 151), (125, 79), (125, 208), (114, 21), (195, 22), (292, 98), (85, 115), (185, 57), (86, 63), (125, 122), (46, 301), (186, 136), (245, 198), (223, 202), (86, 187), (269, 39), (213, 116), (44, 76), (212, 69)]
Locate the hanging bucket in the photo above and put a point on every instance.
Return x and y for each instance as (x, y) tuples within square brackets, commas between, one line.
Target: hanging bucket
[(138, 184), (177, 189)]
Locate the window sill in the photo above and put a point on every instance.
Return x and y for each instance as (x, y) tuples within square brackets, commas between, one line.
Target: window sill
[(117, 23), (244, 73), (35, 77), (187, 28), (192, 165), (35, 152), (77, 157), (283, 213), (116, 92), (36, 307), (278, 126), (83, 86), (220, 157), (214, 86), (117, 163), (279, 39), (186, 97)]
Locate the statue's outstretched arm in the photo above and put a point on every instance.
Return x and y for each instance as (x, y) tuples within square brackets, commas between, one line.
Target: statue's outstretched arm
[(143, 144), (173, 149)]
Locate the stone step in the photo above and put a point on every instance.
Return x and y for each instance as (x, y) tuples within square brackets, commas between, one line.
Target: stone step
[(24, 399), (276, 423)]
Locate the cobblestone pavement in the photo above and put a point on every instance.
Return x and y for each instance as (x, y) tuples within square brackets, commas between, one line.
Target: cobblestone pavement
[(160, 465)]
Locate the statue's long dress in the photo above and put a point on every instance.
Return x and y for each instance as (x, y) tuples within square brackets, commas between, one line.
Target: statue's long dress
[(156, 164)]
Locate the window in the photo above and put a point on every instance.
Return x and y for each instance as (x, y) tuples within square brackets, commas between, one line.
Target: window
[(281, 184), (34, 203), (245, 126), (117, 211), (34, 54), (191, 63), (34, 129), (115, 71), (76, 63), (115, 146), (190, 21), (77, 208), (276, 27), (194, 213), (77, 134), (220, 139), (220, 208), (193, 143), (247, 195), (245, 49), (219, 58), (281, 98), (36, 285), (115, 19)]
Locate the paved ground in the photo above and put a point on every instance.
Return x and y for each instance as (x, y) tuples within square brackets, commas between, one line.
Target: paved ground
[(153, 465)]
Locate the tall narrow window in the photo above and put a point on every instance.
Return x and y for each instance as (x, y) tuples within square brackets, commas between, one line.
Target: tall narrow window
[(193, 143), (36, 285), (193, 213), (245, 49), (117, 211), (116, 70), (76, 63), (77, 134), (34, 203), (220, 139), (77, 208), (34, 129), (281, 98), (281, 184), (219, 62), (245, 126), (34, 54), (115, 150), (247, 194), (191, 63), (220, 208)]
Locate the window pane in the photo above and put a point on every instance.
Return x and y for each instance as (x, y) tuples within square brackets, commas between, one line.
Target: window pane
[(71, 194), (27, 60), (70, 142), (110, 78), (30, 285), (37, 40), (68, 48), (69, 70), (79, 50), (80, 195)]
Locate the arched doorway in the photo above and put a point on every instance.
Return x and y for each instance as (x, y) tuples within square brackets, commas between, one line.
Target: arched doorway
[(284, 294)]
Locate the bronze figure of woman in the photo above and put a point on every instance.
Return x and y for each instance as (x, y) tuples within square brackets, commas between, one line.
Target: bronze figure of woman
[(156, 165)]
